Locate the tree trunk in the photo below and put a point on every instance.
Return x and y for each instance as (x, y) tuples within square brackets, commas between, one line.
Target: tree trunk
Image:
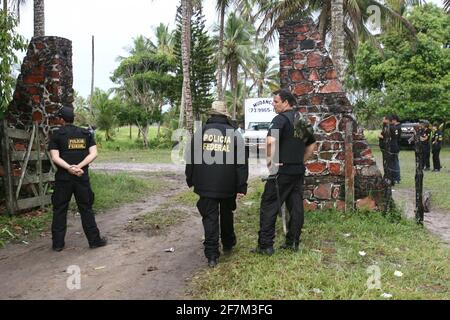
[(220, 90), (5, 6), (234, 83), (181, 117), (337, 41), (186, 53), (39, 18), (145, 135), (130, 132)]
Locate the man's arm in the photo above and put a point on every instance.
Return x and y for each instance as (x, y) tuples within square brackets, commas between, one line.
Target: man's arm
[(309, 151), (90, 157), (270, 149), (74, 170)]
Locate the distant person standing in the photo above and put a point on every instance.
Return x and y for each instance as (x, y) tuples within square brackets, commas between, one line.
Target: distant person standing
[(382, 141), (396, 131), (425, 140), (436, 147)]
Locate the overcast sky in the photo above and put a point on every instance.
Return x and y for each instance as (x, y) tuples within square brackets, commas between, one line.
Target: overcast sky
[(113, 23)]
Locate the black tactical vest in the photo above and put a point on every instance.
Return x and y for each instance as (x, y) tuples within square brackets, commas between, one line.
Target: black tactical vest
[(292, 149)]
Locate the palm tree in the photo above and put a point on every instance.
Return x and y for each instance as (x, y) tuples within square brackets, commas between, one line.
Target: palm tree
[(447, 5), (186, 104), (237, 45), (264, 75), (15, 6), (164, 39), (337, 31), (221, 6), (39, 18), (237, 98)]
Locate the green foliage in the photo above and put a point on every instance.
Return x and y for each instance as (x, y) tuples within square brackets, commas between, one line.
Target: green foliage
[(410, 79), (202, 62), (146, 82), (10, 42), (105, 112)]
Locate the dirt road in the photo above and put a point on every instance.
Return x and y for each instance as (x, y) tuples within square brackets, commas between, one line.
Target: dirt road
[(132, 266)]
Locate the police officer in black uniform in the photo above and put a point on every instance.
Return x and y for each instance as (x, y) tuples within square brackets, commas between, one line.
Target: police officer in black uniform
[(425, 140), (293, 140), (382, 142), (72, 149), (217, 167), (395, 148), (436, 145)]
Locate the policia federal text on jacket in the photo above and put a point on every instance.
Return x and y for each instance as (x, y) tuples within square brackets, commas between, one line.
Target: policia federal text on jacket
[(72, 149), (296, 143), (218, 178)]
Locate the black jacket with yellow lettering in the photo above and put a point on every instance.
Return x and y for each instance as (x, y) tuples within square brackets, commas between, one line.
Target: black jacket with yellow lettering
[(217, 160), (73, 144)]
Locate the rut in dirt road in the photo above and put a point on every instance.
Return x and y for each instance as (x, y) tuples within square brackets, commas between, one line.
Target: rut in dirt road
[(437, 220), (132, 265)]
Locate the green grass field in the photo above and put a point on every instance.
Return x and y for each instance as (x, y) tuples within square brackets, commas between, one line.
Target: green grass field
[(329, 264), (124, 149)]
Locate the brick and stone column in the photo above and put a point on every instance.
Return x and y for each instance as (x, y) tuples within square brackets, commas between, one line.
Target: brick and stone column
[(307, 70), (44, 85)]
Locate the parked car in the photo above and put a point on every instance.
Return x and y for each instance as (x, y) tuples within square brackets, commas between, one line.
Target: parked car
[(407, 127)]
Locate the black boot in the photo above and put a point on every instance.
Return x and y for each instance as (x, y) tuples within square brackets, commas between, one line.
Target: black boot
[(290, 246)]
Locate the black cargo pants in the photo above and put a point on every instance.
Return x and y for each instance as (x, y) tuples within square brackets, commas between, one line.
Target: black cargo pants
[(84, 197), (217, 218), (291, 192)]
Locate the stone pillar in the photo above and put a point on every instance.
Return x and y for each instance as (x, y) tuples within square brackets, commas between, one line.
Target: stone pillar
[(307, 70), (44, 85)]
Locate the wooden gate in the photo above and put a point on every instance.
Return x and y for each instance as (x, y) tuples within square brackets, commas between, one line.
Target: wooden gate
[(28, 168)]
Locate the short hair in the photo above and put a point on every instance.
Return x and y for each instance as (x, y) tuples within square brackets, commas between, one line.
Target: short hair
[(286, 95), (66, 113)]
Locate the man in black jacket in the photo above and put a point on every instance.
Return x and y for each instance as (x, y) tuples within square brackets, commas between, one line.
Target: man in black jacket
[(217, 168), (290, 142)]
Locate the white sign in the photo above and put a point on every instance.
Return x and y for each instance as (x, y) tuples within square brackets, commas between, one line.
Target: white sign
[(258, 110)]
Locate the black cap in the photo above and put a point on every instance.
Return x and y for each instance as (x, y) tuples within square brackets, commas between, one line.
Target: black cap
[(67, 114)]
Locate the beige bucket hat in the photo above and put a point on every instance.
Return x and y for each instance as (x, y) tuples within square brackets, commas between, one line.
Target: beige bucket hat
[(220, 108)]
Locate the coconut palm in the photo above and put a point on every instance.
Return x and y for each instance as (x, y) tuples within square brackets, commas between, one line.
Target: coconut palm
[(39, 18), (186, 104), (263, 74), (236, 49), (164, 39), (221, 6)]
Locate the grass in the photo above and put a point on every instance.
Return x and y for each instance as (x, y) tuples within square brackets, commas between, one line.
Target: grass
[(136, 156), (435, 182), (111, 190), (329, 265), (173, 211), (124, 149)]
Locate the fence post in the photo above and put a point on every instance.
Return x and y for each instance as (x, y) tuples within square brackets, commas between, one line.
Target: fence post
[(419, 177), (6, 158), (349, 169)]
